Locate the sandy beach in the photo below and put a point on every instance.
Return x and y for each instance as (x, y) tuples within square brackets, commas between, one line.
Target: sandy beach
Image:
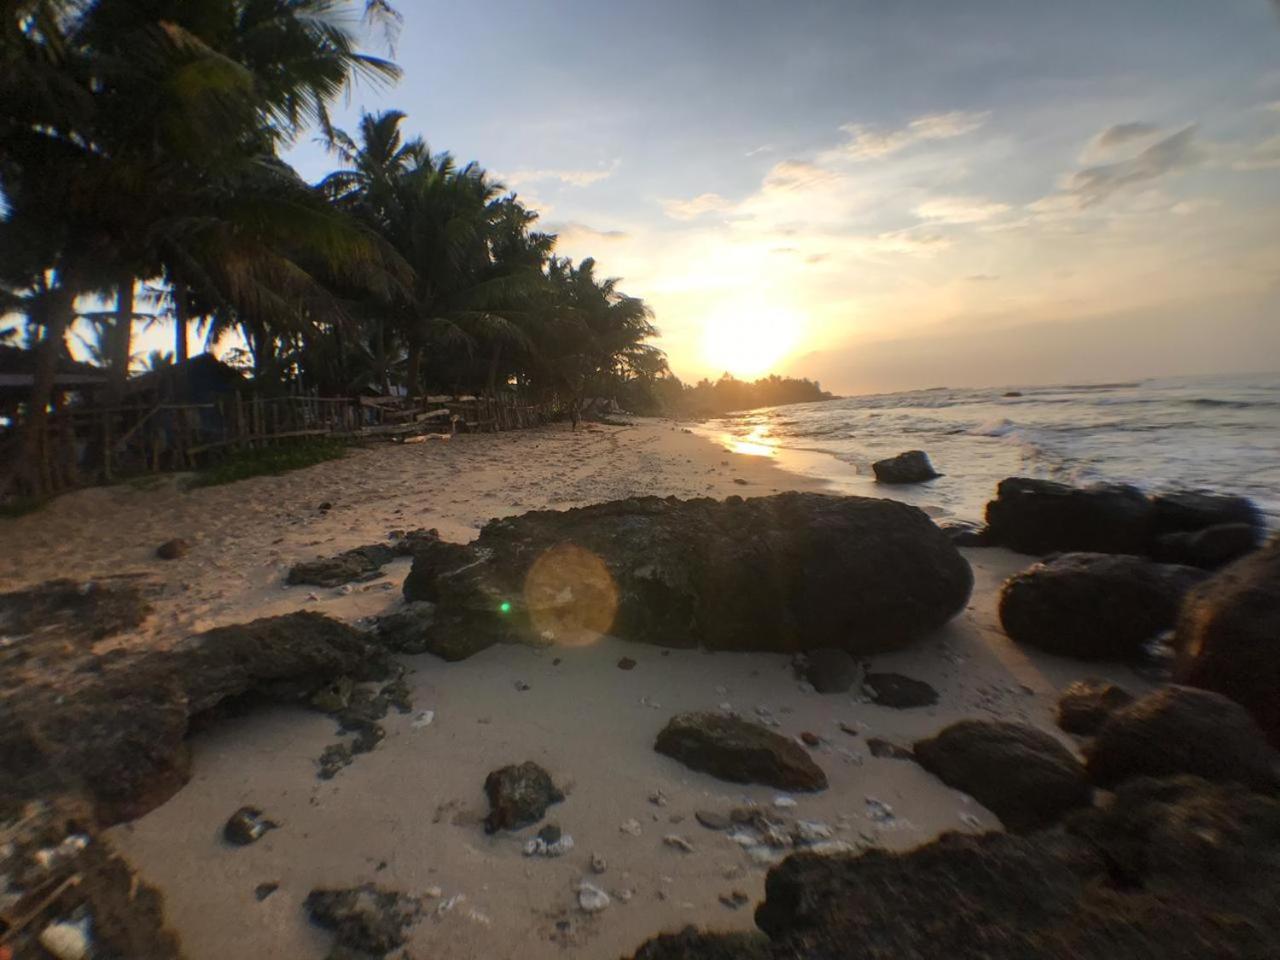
[(407, 815)]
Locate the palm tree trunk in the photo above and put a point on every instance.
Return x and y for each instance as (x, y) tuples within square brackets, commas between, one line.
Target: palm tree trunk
[(32, 472), (180, 322), (121, 341), (414, 372)]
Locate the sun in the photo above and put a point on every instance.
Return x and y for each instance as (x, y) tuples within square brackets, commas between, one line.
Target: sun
[(749, 338)]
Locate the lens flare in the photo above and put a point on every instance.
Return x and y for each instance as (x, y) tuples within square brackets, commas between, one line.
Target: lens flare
[(570, 595)]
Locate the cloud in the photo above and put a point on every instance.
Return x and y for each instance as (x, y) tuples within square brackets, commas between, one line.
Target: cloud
[(763, 148), (867, 143), (573, 178), (572, 233), (1095, 184), (960, 210), (1264, 156), (796, 175), (698, 206), (1105, 145)]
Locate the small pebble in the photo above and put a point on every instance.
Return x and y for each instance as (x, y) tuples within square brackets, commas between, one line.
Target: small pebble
[(784, 802), (423, 719), (591, 898), (626, 663), (810, 739), (712, 820), (246, 826), (658, 798), (630, 827), (679, 842), (598, 863)]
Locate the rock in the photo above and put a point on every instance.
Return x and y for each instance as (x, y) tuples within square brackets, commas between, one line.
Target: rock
[(408, 630), (365, 918), (1210, 548), (1094, 605), (1228, 636), (828, 670), (598, 863), (910, 467), (1191, 511), (885, 750), (1180, 730), (965, 533), (677, 842), (246, 826), (173, 549), (1022, 775), (361, 563), (712, 820), (786, 572), (78, 614), (116, 734), (739, 751), (631, 827), (691, 944), (1086, 704), (1041, 516), (518, 796), (591, 898), (810, 739), (626, 663), (1176, 870), (264, 890), (899, 692)]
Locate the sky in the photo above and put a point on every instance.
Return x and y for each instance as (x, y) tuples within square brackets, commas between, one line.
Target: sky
[(885, 194)]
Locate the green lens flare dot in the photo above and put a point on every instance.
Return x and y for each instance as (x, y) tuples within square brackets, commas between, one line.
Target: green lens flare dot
[(506, 606)]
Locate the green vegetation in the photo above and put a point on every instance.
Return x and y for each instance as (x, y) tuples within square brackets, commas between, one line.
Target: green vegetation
[(140, 144), (714, 397), (269, 461)]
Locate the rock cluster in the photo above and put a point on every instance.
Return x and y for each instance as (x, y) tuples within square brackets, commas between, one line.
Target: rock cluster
[(114, 732), (1197, 529), (788, 572), (367, 919), (360, 563), (1178, 869)]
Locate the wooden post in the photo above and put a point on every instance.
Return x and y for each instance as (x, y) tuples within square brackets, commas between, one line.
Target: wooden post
[(106, 445)]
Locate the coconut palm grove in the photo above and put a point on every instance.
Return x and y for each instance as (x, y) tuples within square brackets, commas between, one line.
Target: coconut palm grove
[(141, 161)]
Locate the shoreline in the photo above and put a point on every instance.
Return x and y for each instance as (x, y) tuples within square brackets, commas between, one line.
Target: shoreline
[(407, 815)]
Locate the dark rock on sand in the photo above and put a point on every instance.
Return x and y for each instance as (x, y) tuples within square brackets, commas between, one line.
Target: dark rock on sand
[(692, 944), (368, 918), (810, 739), (739, 751), (899, 692), (1094, 605), (965, 533), (115, 735), (360, 563), (407, 630), (1041, 516), (626, 663), (1022, 775), (173, 549), (264, 890), (787, 572), (247, 825), (72, 612), (887, 750), (1210, 548), (1190, 511), (1175, 870), (1180, 730), (828, 670), (910, 467), (1086, 704), (518, 796), (1228, 637)]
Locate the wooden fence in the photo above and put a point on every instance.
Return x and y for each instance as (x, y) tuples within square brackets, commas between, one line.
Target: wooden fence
[(86, 444)]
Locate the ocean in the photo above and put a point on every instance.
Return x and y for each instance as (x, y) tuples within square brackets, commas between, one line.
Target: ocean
[(1220, 434)]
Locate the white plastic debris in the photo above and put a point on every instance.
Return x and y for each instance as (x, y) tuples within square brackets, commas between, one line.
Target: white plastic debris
[(630, 827), (764, 856), (537, 847), (434, 893), (423, 719), (784, 802), (591, 898), (66, 941), (744, 839)]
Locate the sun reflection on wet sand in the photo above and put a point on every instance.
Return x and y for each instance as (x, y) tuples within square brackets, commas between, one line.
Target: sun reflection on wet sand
[(757, 443)]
